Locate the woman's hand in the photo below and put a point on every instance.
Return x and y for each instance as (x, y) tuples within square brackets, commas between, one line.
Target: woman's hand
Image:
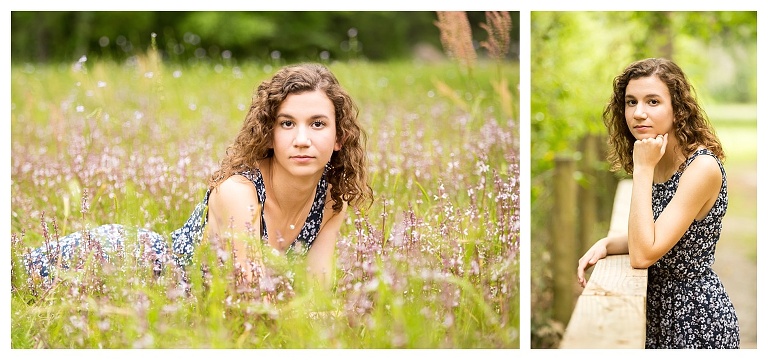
[(648, 152), (598, 251)]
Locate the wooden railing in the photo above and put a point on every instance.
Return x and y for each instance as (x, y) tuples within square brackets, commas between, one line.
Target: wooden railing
[(610, 312)]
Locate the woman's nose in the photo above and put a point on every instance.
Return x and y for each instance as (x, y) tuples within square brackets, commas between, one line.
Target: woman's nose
[(640, 113), (302, 138)]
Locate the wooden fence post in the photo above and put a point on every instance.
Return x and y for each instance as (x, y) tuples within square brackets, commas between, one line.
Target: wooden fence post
[(565, 245), (587, 194)]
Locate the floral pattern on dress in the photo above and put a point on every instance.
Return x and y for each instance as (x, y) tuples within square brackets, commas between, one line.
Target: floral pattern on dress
[(686, 304), (189, 235), (110, 238)]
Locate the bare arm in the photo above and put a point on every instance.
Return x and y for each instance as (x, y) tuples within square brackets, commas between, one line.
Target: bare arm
[(696, 193), (234, 202), (699, 185), (609, 245), (320, 258)]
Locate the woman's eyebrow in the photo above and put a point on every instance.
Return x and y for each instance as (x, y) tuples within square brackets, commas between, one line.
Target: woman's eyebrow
[(316, 116), (628, 96)]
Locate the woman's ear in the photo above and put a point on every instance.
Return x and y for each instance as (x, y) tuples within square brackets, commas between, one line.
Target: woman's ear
[(337, 146)]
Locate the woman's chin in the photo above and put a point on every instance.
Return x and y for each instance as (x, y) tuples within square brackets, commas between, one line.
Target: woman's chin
[(645, 136)]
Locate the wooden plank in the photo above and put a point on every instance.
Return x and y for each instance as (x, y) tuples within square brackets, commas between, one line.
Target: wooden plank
[(606, 322), (614, 275), (610, 313)]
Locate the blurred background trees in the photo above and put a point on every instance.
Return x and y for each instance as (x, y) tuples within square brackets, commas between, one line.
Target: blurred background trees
[(229, 35)]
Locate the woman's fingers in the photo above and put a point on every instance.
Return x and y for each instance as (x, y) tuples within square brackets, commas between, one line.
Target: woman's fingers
[(650, 150), (585, 263), (590, 258), (657, 141)]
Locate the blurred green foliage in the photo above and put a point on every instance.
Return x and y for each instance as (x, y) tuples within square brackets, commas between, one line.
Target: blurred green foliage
[(574, 58), (192, 36)]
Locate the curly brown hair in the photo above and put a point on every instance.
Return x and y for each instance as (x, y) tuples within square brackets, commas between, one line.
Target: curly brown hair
[(347, 170), (691, 124)]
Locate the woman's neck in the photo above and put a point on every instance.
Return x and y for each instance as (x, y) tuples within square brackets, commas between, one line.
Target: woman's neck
[(291, 193), (670, 162)]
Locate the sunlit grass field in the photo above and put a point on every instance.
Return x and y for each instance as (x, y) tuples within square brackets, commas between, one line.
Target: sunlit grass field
[(432, 263)]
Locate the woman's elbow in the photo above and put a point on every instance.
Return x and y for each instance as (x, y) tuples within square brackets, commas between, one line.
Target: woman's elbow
[(639, 262)]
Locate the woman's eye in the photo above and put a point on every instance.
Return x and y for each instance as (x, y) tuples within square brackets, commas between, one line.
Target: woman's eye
[(286, 123), (653, 102), (318, 124), (631, 102)]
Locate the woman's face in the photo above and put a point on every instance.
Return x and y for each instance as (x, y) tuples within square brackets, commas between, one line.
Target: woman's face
[(648, 108), (304, 135)]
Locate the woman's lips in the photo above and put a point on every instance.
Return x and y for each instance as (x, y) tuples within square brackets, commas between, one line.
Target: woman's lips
[(643, 128), (302, 158)]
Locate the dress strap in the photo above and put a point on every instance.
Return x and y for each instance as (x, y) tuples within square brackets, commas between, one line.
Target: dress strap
[(311, 226), (705, 151), (258, 182), (261, 193)]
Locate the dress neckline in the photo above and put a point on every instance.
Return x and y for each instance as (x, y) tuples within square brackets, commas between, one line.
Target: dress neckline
[(311, 226)]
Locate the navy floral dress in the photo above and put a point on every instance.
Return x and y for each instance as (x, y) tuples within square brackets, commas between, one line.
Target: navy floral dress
[(188, 236), (686, 305), (111, 237)]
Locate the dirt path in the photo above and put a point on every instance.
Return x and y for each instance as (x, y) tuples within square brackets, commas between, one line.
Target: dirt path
[(735, 260)]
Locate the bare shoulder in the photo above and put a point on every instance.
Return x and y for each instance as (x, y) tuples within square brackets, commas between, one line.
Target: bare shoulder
[(235, 189), (235, 182), (705, 165), (704, 172)]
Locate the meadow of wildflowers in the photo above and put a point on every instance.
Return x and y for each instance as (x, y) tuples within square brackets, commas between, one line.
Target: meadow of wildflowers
[(432, 263)]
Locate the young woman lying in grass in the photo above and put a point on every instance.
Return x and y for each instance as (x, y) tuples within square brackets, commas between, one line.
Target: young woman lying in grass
[(288, 177)]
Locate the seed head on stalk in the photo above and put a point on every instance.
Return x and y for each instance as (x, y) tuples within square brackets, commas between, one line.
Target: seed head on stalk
[(498, 26), (456, 36)]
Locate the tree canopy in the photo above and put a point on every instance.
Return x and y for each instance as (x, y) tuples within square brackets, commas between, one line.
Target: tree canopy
[(292, 35)]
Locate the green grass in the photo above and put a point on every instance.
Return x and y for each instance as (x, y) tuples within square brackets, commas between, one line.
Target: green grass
[(432, 263)]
